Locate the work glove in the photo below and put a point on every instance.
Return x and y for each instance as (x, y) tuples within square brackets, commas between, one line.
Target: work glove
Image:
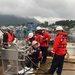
[(15, 40), (52, 52)]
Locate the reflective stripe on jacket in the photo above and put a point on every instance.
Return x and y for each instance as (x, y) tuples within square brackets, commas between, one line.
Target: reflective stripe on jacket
[(63, 43)]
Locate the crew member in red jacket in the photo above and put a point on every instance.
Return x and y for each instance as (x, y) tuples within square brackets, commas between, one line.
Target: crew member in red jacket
[(31, 37), (43, 38), (59, 50)]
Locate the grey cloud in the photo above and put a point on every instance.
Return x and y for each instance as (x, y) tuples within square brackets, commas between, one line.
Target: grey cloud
[(60, 8), (63, 9)]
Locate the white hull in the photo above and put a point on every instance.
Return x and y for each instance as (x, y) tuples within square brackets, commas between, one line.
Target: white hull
[(71, 50)]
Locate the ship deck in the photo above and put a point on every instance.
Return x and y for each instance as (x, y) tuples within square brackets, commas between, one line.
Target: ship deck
[(68, 68)]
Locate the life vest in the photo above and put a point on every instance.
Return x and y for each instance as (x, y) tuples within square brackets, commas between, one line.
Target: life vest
[(10, 38), (60, 43), (63, 42)]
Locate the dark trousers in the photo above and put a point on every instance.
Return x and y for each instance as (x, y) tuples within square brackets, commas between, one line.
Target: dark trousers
[(45, 53), (57, 64), (35, 63)]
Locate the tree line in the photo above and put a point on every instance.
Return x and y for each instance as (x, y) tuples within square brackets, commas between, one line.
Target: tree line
[(66, 23)]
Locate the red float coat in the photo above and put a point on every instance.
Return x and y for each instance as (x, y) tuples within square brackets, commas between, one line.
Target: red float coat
[(43, 39), (60, 44)]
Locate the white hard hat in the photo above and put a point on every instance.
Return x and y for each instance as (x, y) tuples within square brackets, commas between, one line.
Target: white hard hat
[(38, 28), (10, 27), (34, 42), (59, 28), (30, 35)]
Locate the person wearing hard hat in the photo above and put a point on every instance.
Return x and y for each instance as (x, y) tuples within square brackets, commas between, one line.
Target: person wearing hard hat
[(8, 37), (31, 37), (43, 38), (59, 50), (36, 53), (38, 30)]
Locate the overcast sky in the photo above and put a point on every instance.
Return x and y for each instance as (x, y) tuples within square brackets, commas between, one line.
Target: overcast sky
[(43, 10)]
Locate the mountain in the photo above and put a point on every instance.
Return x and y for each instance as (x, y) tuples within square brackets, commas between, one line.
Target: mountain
[(13, 20)]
